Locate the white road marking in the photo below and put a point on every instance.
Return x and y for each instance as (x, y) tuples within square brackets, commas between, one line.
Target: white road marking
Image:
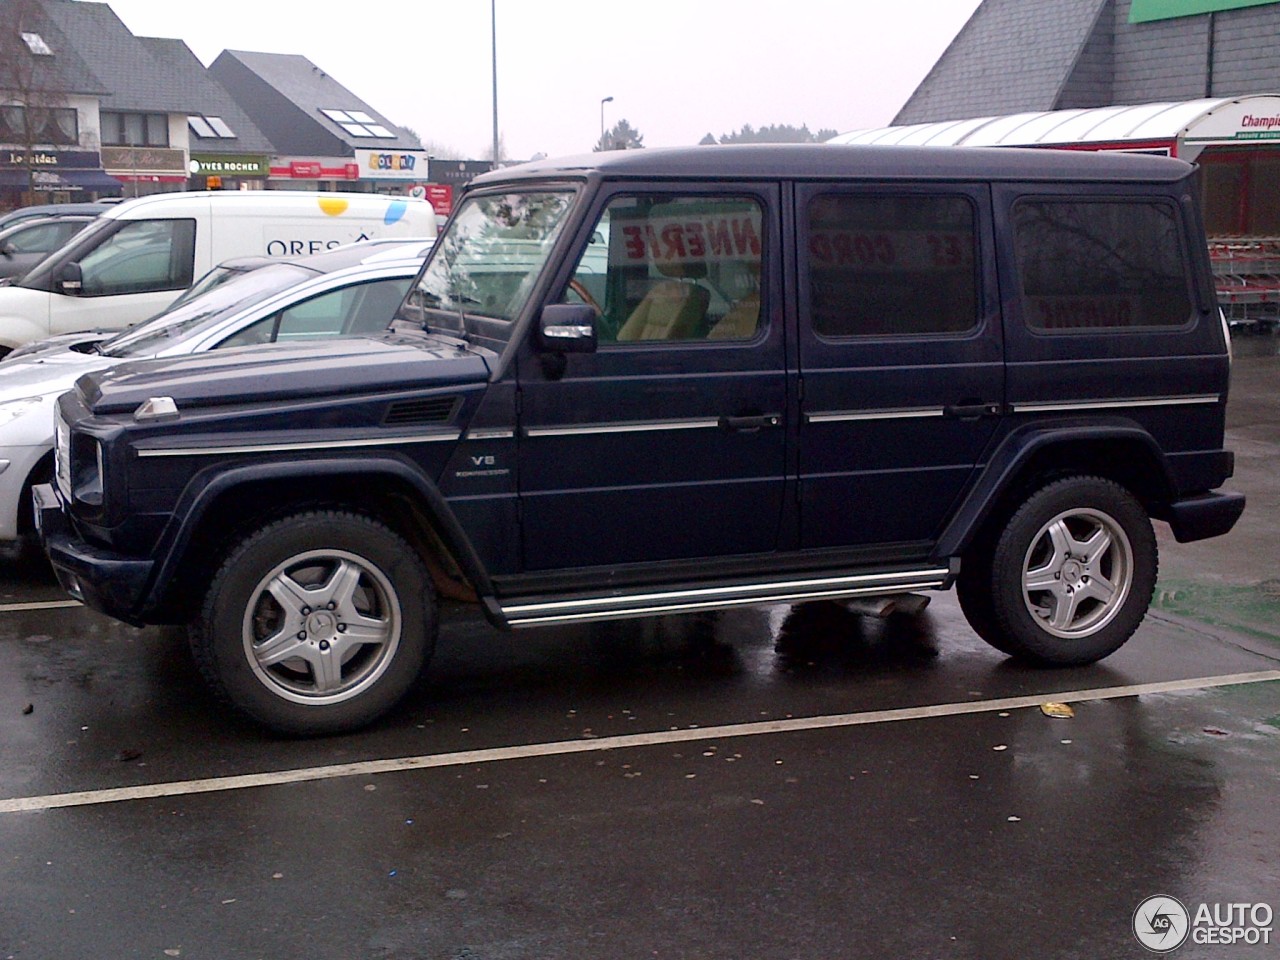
[(39, 605), (560, 748)]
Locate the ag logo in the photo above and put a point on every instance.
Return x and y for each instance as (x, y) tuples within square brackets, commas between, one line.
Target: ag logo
[(1161, 924)]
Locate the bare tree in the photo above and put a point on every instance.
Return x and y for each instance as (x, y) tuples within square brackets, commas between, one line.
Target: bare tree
[(33, 100)]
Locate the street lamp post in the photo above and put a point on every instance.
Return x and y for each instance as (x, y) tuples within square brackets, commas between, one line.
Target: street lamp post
[(493, 20), (602, 103)]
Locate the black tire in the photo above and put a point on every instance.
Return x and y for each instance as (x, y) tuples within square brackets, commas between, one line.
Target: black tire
[(1072, 574), (355, 628), (973, 590)]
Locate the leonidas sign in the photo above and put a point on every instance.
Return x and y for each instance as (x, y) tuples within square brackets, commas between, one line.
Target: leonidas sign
[(1250, 118), (1144, 11)]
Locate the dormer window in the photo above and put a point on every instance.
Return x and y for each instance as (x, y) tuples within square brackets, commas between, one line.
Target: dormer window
[(357, 123), (35, 43), (210, 128)]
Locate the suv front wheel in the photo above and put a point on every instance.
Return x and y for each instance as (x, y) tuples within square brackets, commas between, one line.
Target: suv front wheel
[(316, 623), (1071, 575)]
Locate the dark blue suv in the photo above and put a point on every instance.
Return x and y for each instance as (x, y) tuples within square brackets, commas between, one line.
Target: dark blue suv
[(657, 381)]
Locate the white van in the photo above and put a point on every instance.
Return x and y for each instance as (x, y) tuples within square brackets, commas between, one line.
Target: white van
[(138, 255)]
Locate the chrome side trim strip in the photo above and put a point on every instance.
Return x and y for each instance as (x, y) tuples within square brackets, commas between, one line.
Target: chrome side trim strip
[(1066, 406), (497, 434), (876, 580), (624, 611), (845, 416), (300, 445), (632, 426)]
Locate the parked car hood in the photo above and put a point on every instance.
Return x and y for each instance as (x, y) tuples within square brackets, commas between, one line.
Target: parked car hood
[(52, 372), (81, 342), (280, 371)]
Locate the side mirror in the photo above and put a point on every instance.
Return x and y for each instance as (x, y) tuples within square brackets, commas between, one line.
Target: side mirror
[(70, 280), (567, 328)]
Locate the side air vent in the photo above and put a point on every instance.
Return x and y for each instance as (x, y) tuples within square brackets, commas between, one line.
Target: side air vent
[(404, 413)]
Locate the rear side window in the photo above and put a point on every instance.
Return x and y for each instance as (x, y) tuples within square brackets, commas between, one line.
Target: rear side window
[(892, 265), (1101, 265), (347, 312)]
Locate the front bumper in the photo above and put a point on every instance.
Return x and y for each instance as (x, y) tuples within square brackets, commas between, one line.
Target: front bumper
[(103, 580)]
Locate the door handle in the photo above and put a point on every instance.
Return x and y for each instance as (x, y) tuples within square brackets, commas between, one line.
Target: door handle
[(971, 411), (744, 424)]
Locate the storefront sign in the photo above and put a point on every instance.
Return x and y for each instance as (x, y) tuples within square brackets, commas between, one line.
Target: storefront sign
[(440, 196), (204, 165), (52, 159), (1248, 120), (456, 172), (392, 164), (137, 160), (316, 170), (1144, 11)]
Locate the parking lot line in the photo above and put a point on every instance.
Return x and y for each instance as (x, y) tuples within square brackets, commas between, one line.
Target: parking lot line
[(563, 747), (38, 605)]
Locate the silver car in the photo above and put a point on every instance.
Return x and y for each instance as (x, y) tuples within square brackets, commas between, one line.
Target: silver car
[(348, 291)]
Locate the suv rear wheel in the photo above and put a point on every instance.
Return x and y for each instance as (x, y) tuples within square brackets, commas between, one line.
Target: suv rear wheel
[(1071, 575), (317, 623)]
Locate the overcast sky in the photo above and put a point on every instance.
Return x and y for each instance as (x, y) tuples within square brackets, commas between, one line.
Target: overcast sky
[(676, 69)]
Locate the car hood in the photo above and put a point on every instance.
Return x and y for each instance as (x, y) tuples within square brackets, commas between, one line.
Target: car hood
[(59, 344), (274, 372), (49, 372)]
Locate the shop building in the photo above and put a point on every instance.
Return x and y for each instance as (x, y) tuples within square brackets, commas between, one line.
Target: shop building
[(326, 138), (1196, 79), (128, 115), (49, 143)]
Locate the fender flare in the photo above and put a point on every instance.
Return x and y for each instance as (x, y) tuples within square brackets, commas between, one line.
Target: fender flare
[(207, 487), (1015, 451)]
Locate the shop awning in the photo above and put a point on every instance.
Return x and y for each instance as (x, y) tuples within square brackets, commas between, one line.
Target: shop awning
[(1184, 128), (96, 180)]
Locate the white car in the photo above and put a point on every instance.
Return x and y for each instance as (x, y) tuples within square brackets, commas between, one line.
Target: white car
[(348, 291)]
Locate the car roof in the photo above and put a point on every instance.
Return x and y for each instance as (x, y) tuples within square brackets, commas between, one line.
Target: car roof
[(339, 258), (26, 224), (828, 161), (91, 209)]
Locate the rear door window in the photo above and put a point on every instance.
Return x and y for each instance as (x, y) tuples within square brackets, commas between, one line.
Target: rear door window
[(892, 266)]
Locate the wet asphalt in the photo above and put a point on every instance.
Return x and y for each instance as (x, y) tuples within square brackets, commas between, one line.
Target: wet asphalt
[(767, 783)]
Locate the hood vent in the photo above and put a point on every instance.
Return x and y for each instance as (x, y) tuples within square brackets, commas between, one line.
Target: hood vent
[(405, 413)]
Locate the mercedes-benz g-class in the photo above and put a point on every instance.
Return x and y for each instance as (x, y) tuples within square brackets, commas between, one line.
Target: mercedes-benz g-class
[(659, 381)]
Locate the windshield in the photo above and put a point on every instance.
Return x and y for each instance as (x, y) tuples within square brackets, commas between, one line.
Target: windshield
[(40, 277), (487, 261), (214, 278), (197, 315)]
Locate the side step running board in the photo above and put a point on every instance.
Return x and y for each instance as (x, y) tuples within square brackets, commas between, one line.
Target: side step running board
[(617, 606)]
